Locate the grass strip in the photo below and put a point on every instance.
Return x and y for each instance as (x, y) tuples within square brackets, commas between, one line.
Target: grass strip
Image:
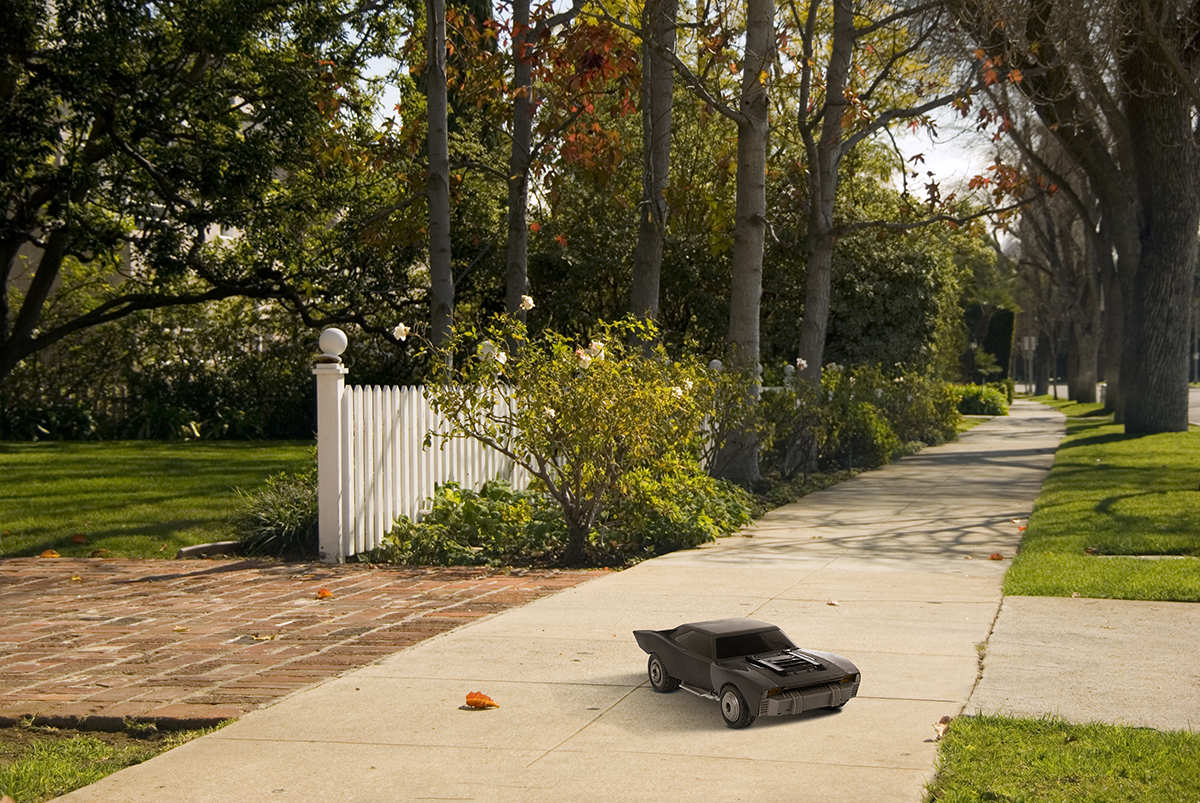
[(1118, 517), (129, 499), (996, 758), (56, 764)]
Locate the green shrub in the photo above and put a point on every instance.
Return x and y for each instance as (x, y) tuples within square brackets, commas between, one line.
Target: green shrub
[(981, 400), (495, 526), (280, 520), (1006, 387), (652, 515), (859, 417), (922, 408), (866, 438), (578, 417)]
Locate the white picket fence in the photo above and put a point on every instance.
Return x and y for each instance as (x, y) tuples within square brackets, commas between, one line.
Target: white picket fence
[(372, 463)]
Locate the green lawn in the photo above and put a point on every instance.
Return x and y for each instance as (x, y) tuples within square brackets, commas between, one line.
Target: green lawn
[(129, 499), (1118, 517), (994, 758)]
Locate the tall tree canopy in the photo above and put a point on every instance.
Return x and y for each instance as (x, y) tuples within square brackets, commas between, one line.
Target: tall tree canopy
[(133, 134)]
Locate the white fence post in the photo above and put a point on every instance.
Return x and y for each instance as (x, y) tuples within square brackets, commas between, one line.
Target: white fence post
[(330, 375)]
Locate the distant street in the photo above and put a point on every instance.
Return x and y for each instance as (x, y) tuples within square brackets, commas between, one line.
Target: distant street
[(1194, 405)]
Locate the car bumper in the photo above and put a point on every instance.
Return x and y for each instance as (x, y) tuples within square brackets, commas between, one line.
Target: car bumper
[(795, 701)]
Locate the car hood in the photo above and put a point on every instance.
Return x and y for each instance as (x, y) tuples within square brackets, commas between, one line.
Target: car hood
[(792, 667)]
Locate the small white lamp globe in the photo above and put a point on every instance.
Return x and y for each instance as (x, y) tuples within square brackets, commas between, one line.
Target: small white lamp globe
[(333, 341)]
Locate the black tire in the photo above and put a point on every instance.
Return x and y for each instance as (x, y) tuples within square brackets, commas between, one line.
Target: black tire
[(660, 680), (734, 710)]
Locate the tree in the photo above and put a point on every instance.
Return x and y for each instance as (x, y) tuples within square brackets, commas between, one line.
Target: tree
[(133, 135), (441, 265), (658, 81), (1118, 96), (867, 85)]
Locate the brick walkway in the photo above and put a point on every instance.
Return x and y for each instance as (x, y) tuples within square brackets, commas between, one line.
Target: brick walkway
[(91, 643)]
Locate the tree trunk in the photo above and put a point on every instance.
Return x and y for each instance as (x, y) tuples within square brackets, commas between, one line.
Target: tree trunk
[(1085, 346), (825, 157), (1114, 345), (441, 270), (739, 457), (517, 255), (1154, 365), (658, 81), (1043, 362)]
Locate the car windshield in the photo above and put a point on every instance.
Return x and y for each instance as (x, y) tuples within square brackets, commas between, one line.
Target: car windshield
[(752, 643)]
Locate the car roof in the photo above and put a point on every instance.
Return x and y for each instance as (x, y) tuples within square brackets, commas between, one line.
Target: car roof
[(728, 627)]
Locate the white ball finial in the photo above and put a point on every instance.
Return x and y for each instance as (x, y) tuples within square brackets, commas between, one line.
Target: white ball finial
[(333, 341)]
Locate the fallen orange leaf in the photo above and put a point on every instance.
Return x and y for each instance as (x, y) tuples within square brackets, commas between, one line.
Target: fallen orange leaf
[(324, 593), (996, 556), (49, 553), (79, 538), (478, 699), (76, 578)]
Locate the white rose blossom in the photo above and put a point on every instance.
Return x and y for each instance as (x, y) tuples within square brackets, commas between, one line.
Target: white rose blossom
[(526, 303), (488, 351), (585, 359), (400, 332)]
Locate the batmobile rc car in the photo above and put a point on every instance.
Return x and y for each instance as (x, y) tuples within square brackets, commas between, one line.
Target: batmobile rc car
[(751, 667)]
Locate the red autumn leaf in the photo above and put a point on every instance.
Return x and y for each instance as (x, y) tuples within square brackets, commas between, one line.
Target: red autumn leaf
[(49, 553), (79, 538), (535, 227), (996, 556), (478, 699), (324, 593)]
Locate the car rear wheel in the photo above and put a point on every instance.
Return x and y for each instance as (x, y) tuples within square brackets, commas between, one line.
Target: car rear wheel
[(734, 710), (660, 681)]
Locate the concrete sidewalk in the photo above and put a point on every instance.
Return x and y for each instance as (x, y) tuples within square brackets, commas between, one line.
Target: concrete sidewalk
[(890, 569)]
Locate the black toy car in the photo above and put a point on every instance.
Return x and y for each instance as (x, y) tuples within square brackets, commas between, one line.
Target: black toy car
[(750, 667)]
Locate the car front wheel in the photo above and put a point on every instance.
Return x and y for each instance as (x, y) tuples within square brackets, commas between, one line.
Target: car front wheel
[(660, 681), (734, 710)]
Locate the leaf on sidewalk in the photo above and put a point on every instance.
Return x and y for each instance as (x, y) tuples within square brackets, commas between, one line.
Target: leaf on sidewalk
[(49, 553), (324, 593), (995, 556), (478, 699)]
